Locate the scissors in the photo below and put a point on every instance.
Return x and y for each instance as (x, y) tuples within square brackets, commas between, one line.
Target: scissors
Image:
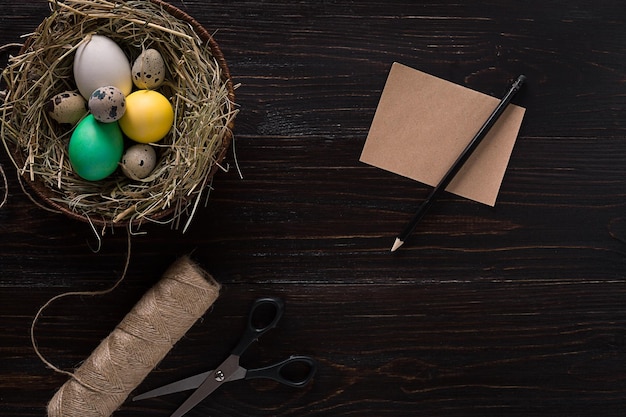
[(264, 316)]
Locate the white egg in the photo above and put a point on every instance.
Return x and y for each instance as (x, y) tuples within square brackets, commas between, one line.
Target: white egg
[(98, 62)]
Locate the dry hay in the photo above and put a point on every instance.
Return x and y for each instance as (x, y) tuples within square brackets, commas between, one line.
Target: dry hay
[(198, 86)]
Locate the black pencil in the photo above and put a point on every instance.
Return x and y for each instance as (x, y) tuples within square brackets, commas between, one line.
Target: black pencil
[(482, 132)]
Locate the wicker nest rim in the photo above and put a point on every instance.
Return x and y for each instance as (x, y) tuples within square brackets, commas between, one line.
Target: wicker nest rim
[(44, 193)]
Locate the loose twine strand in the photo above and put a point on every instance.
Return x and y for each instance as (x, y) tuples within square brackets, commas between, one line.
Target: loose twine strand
[(33, 325)]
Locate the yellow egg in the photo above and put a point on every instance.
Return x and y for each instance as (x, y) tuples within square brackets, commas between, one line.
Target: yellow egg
[(148, 118)]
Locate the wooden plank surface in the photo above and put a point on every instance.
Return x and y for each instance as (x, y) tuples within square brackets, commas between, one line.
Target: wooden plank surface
[(515, 310)]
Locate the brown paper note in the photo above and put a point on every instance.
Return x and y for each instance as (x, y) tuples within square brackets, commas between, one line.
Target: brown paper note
[(423, 123)]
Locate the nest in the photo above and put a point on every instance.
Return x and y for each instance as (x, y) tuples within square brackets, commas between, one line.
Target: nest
[(198, 86)]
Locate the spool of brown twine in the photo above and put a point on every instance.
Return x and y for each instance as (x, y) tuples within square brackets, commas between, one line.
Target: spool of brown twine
[(138, 343)]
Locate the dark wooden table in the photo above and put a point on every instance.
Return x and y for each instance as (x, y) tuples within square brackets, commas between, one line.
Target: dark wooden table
[(517, 310)]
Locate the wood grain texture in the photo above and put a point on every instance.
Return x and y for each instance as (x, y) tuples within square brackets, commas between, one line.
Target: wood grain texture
[(515, 310)]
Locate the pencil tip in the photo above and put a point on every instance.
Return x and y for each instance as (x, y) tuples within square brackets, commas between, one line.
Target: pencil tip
[(396, 245)]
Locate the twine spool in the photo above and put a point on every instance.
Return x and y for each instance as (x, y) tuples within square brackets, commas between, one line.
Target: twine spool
[(138, 343)]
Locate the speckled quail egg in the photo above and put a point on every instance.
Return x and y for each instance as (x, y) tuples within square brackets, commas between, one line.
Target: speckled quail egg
[(67, 107), (107, 104), (148, 70), (138, 161)]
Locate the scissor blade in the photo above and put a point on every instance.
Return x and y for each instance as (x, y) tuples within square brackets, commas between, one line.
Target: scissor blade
[(214, 380), (186, 384)]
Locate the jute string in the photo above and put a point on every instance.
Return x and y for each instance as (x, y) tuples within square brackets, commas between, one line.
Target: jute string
[(33, 325), (138, 343)]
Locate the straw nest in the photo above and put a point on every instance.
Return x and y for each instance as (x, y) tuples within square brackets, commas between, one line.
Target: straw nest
[(198, 86)]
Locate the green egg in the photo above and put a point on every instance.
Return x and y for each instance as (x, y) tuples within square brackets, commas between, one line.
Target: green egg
[(95, 148)]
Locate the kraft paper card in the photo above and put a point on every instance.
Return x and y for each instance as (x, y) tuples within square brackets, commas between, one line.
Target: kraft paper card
[(423, 123)]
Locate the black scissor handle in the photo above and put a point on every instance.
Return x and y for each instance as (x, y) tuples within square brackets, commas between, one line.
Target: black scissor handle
[(295, 371), (264, 316)]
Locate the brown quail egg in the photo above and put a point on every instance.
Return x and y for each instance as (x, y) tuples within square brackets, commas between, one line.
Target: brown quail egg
[(67, 107), (138, 161), (107, 104), (148, 70)]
